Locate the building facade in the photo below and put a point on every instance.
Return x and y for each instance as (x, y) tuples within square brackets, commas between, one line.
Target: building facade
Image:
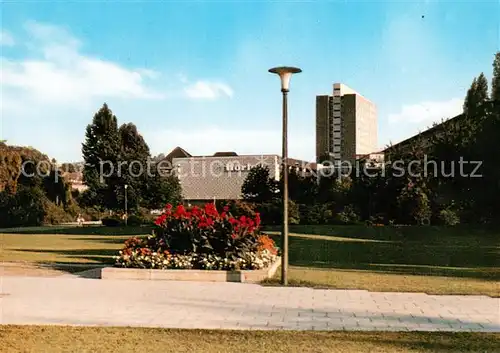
[(221, 176), (346, 125)]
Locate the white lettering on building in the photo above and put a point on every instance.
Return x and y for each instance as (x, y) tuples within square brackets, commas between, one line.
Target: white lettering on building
[(237, 167)]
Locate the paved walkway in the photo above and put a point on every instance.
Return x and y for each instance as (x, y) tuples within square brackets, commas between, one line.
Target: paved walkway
[(71, 300)]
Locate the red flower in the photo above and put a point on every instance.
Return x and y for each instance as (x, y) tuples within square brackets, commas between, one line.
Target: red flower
[(223, 215), (210, 221), (226, 208), (168, 206), (211, 210), (257, 219), (180, 211), (161, 219), (195, 211), (233, 221)]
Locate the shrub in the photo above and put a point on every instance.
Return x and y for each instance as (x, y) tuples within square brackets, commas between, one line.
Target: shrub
[(55, 214), (317, 214), (273, 212), (135, 220), (112, 222), (449, 217), (24, 208), (91, 214), (348, 215), (241, 208), (201, 238)]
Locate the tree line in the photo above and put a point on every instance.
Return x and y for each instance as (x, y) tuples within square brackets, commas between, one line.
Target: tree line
[(435, 195), (34, 190), (116, 157)]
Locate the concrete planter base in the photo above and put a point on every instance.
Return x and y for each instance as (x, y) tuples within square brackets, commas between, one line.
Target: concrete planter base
[(244, 276)]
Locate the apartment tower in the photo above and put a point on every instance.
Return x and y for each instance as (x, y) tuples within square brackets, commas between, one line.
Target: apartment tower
[(346, 125)]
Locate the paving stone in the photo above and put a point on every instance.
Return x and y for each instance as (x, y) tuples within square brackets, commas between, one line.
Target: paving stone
[(83, 301)]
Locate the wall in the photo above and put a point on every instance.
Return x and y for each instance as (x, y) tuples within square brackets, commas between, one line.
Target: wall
[(203, 178)]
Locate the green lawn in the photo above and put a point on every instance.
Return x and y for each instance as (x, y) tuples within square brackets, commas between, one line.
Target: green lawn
[(65, 246), (434, 260), (100, 339)]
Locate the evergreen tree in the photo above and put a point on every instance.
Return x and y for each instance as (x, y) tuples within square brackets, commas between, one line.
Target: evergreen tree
[(258, 186), (101, 153), (470, 99), (495, 85), (482, 89), (476, 95), (161, 190), (133, 167)]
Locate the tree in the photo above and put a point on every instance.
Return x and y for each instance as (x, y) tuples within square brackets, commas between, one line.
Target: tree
[(476, 95), (132, 170), (495, 85), (24, 208), (101, 153), (470, 98), (10, 168), (258, 186), (161, 190), (68, 168), (302, 189), (482, 89)]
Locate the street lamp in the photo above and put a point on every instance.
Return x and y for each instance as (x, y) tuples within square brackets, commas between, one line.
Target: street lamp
[(126, 211), (285, 73)]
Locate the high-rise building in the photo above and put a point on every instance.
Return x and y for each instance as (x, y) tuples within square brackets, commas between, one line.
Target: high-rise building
[(346, 125)]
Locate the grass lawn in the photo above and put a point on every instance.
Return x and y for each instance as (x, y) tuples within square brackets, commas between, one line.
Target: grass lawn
[(70, 248), (434, 260), (99, 339)]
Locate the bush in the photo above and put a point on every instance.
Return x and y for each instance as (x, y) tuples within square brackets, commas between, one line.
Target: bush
[(112, 222), (348, 215), (272, 212), (135, 220), (201, 238), (24, 208), (449, 217), (239, 207), (311, 214), (55, 214), (91, 214), (317, 214)]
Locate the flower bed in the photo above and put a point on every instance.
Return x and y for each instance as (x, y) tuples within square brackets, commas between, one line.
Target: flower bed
[(201, 239)]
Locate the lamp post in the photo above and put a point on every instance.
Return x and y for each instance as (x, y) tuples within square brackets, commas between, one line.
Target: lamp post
[(285, 73), (126, 211)]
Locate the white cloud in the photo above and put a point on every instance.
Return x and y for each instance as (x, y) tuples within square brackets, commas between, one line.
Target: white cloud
[(57, 82), (208, 90), (6, 39), (65, 76), (207, 141), (427, 112)]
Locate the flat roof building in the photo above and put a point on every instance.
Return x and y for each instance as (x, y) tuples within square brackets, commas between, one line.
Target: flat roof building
[(346, 125), (221, 176)]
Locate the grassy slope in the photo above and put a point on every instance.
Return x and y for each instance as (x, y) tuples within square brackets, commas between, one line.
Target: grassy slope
[(98, 339)]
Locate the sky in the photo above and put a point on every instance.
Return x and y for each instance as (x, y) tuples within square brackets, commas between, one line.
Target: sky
[(195, 73)]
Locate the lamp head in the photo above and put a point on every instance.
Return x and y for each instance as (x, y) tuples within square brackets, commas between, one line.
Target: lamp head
[(285, 73)]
